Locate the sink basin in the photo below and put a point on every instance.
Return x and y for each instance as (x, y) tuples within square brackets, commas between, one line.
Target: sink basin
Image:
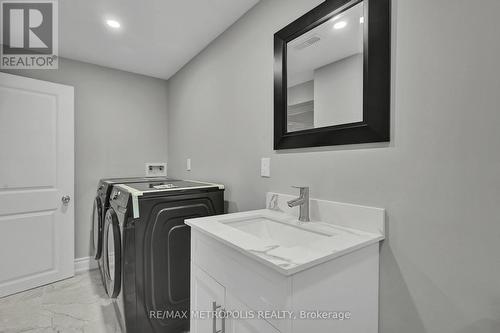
[(278, 240), (277, 232)]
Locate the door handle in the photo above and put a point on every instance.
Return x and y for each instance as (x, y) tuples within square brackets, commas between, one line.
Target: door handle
[(66, 199), (223, 329), (215, 307)]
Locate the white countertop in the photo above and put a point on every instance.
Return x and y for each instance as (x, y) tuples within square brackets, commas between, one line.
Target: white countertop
[(288, 260)]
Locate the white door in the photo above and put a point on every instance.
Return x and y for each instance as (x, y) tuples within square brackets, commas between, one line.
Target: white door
[(36, 176), (207, 298)]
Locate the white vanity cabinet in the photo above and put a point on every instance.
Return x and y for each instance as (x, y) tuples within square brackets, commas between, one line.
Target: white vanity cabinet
[(222, 276), (207, 297), (246, 325), (208, 294), (265, 271)]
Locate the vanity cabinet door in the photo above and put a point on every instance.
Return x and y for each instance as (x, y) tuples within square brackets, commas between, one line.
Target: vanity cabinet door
[(246, 324), (207, 297)]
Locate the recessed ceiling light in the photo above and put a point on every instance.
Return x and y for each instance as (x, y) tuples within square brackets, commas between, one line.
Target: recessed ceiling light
[(340, 25), (335, 18), (362, 19), (113, 24)]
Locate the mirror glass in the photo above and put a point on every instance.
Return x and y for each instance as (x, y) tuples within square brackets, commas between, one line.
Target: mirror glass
[(325, 73)]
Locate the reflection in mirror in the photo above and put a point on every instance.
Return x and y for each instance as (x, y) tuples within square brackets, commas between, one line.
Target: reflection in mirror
[(325, 73)]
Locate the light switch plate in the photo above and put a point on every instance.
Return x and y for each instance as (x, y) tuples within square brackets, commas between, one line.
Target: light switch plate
[(156, 169), (188, 164), (265, 167)]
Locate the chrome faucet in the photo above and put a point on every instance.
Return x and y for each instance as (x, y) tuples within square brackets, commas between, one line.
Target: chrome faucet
[(303, 202)]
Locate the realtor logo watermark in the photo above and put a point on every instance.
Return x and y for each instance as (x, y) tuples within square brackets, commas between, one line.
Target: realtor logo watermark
[(29, 34)]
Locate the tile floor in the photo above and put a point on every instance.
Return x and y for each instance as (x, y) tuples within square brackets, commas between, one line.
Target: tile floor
[(78, 304)]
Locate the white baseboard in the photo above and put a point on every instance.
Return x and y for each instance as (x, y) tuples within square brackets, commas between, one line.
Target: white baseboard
[(85, 264)]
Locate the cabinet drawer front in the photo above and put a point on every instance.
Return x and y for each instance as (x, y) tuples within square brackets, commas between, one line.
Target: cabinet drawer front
[(256, 285)]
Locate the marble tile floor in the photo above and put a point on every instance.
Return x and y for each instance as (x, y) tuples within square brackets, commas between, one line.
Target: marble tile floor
[(78, 304)]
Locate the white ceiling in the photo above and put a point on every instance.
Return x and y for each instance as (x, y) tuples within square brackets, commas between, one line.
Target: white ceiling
[(156, 38)]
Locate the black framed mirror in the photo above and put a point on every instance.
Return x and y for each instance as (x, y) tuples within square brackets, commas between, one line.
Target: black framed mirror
[(332, 76)]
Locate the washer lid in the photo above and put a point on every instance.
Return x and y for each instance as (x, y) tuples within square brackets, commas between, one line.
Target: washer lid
[(126, 180), (162, 188), (171, 185)]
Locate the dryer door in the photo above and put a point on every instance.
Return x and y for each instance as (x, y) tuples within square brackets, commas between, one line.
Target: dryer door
[(112, 252), (97, 224)]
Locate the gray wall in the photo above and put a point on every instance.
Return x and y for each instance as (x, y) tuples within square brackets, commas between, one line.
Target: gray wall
[(438, 179), (136, 106)]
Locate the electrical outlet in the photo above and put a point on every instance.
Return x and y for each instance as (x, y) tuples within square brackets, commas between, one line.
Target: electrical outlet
[(156, 169), (188, 164), (265, 167)]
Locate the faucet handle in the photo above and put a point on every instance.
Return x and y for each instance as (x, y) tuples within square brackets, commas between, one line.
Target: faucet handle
[(303, 202), (304, 190)]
